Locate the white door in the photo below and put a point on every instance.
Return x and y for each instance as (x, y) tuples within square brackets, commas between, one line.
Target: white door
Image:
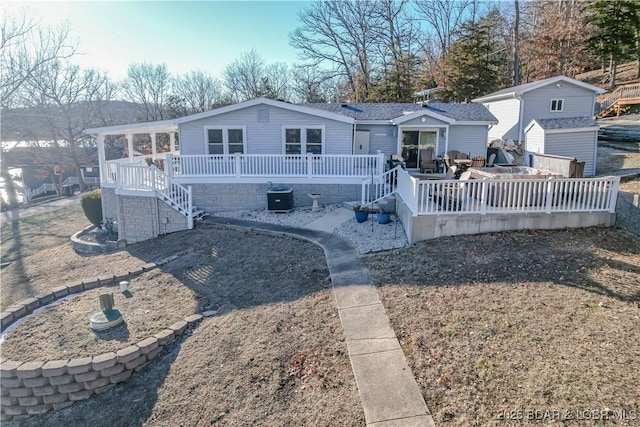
[(361, 143)]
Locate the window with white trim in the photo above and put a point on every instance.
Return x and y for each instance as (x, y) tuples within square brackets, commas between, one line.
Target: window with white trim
[(556, 105), (225, 140), (303, 139)]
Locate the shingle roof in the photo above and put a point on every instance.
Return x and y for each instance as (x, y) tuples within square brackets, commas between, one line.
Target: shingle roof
[(566, 123), (389, 111)]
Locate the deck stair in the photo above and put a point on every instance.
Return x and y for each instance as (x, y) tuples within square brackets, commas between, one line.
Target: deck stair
[(622, 96)]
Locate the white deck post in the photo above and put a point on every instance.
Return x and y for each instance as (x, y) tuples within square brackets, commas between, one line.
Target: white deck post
[(154, 149), (129, 137), (614, 194), (550, 186), (102, 159), (189, 208), (380, 163), (172, 142), (236, 162), (484, 197), (309, 165), (168, 164)]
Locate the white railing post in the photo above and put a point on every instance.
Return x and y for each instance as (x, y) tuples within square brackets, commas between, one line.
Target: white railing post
[(189, 208), (549, 191), (484, 196), (237, 164), (309, 165), (168, 164), (613, 200), (380, 162)]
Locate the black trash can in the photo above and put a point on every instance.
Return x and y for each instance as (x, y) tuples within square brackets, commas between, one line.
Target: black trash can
[(67, 190), (280, 198)]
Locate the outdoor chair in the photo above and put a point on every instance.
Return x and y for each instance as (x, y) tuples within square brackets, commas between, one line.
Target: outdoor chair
[(492, 158), (478, 162), (427, 162)]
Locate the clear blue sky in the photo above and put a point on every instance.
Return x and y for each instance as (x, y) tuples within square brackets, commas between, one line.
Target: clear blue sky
[(198, 35)]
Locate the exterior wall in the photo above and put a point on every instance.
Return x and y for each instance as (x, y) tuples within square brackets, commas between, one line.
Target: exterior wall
[(469, 139), (144, 218), (507, 112), (230, 197), (265, 138), (426, 227), (381, 137), (535, 141), (581, 145), (109, 203), (430, 121)]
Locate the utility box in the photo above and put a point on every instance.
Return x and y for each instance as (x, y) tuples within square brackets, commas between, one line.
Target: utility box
[(280, 199)]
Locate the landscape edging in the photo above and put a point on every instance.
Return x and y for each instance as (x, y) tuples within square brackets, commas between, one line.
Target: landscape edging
[(89, 248), (32, 388)]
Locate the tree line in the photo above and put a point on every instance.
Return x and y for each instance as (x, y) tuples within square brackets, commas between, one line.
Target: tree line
[(354, 51)]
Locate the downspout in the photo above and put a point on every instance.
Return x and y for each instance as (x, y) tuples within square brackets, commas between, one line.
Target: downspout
[(353, 139), (521, 126)]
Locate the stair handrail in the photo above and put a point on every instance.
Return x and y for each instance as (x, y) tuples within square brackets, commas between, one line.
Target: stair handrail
[(377, 187), (621, 92)]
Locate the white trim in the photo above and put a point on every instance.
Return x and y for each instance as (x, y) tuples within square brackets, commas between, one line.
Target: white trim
[(164, 126), (374, 122), (426, 128), (515, 92), (420, 113), (469, 123), (303, 137), (573, 130), (269, 102), (225, 137)]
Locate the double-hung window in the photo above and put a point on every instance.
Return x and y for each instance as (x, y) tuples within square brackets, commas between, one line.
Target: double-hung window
[(225, 140), (556, 105), (303, 139)]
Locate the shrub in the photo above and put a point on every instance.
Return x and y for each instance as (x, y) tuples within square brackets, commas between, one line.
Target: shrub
[(91, 203)]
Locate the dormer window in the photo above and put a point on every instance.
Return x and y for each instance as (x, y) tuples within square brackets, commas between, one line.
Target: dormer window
[(556, 105)]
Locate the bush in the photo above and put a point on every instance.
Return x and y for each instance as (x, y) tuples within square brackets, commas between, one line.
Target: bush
[(91, 203)]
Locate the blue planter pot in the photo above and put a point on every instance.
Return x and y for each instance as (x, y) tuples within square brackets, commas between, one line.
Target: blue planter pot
[(384, 218), (361, 216)]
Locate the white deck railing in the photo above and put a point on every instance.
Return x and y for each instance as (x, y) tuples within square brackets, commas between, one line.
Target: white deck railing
[(274, 165), (375, 188), (140, 177), (433, 197)]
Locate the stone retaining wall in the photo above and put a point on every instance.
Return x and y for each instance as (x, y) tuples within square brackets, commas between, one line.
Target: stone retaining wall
[(31, 388)]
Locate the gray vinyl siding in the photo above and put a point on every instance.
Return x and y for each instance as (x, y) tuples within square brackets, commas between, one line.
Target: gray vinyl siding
[(535, 139), (507, 111), (430, 121), (381, 137), (580, 145), (577, 102), (469, 139), (266, 138)]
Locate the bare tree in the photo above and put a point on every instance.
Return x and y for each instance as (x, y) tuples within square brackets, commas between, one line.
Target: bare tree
[(516, 44), (149, 86), (342, 35), (444, 17), (25, 47), (243, 76), (199, 91)]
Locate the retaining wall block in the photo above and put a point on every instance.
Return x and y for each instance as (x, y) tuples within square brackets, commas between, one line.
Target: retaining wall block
[(121, 377), (87, 376), (30, 400), (54, 368), (35, 382), (80, 395), (104, 361), (20, 392), (141, 367), (165, 336), (105, 280), (55, 398), (31, 304), (38, 409), (115, 369), (12, 382), (128, 354), (136, 362), (148, 344), (100, 382), (18, 311), (194, 318), (90, 284), (29, 370), (62, 405), (70, 388), (75, 287), (45, 298), (60, 291), (6, 318), (14, 410), (179, 327), (118, 277), (8, 401), (8, 368), (135, 271), (149, 266), (44, 390), (152, 354), (79, 366), (4, 391), (60, 380), (104, 389)]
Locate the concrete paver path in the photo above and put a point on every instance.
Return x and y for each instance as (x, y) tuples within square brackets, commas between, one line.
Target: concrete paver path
[(389, 393)]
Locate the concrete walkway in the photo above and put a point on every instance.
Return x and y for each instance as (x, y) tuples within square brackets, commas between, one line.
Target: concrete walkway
[(389, 393)]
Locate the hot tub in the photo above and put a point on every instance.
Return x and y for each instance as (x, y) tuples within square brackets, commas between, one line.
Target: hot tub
[(511, 172)]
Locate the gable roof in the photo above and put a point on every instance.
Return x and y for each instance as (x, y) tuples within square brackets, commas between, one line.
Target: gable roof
[(527, 87), (396, 112), (564, 123)]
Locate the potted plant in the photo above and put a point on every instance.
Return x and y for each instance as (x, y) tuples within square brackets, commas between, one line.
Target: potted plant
[(361, 212), (384, 216)]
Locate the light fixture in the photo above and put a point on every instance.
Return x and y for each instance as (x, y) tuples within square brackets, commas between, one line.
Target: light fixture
[(424, 119)]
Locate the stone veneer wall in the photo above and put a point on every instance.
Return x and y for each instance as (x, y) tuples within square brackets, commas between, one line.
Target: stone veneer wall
[(144, 218), (230, 197), (33, 388), (109, 203)]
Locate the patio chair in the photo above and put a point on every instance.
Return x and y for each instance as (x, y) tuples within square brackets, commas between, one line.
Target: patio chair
[(427, 163), (492, 159), (447, 161)]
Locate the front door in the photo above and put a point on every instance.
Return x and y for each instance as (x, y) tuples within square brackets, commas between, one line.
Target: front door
[(361, 143), (414, 142)]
